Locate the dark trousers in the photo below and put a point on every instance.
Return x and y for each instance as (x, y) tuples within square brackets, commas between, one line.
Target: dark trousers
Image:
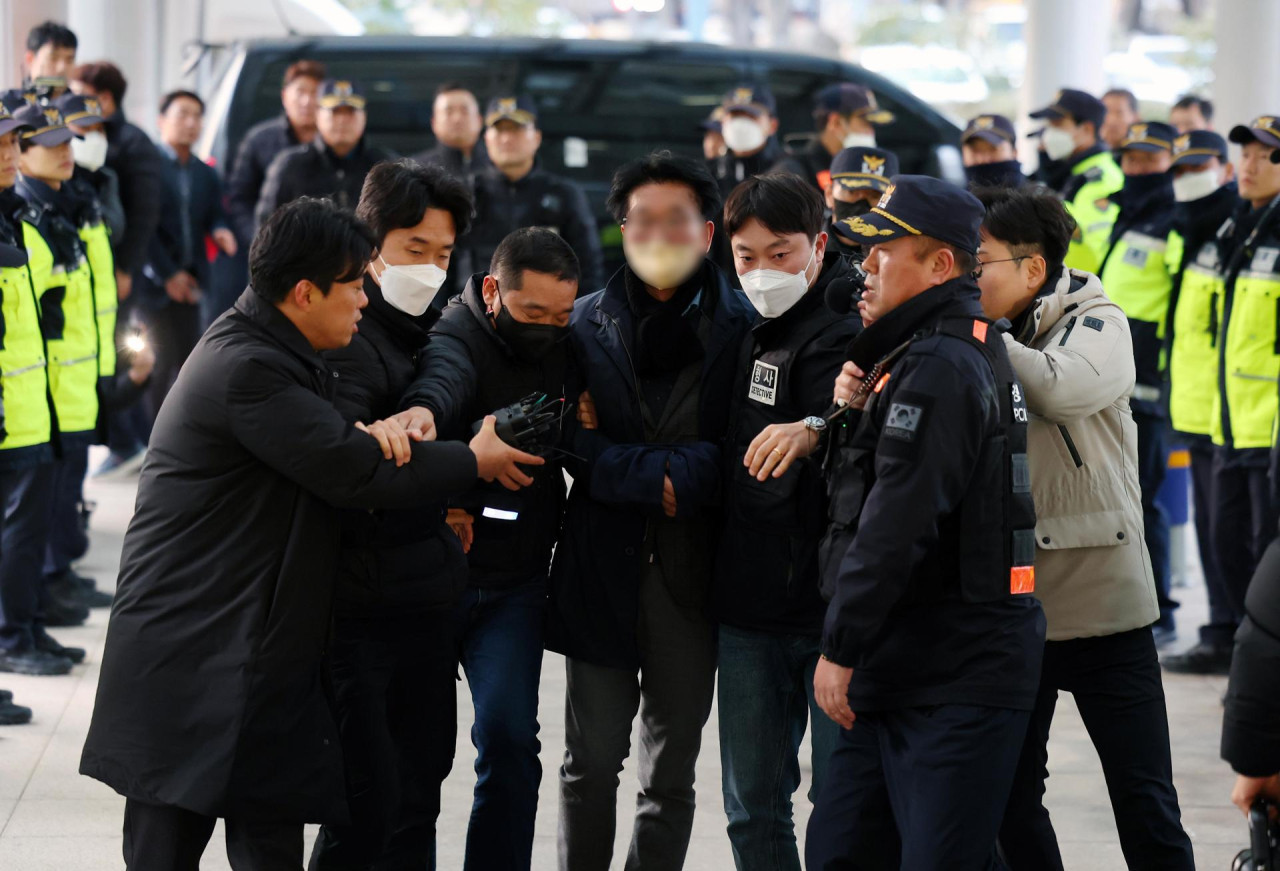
[(166, 838), (1153, 462), (1115, 680), (25, 498), (67, 539), (394, 682), (501, 635), (766, 701), (1244, 522), (916, 789), (673, 695), (1221, 628), (174, 330)]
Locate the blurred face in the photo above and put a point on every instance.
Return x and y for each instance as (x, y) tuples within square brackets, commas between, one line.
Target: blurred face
[(977, 150), (895, 274), (341, 127), (746, 134), (1081, 134), (430, 241), (540, 299), (455, 119), (1119, 116), (1222, 172), (299, 100), (1188, 119), (666, 212), (1008, 282), (712, 144), (329, 320), (512, 146), (181, 123), (51, 61), (50, 164), (755, 246), (9, 154), (1136, 162), (1259, 177)]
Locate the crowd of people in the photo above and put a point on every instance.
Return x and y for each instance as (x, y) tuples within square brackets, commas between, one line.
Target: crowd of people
[(862, 454)]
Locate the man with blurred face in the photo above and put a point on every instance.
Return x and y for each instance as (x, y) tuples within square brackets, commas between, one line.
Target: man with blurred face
[(335, 163), (514, 191), (265, 140), (1192, 113), (49, 57), (990, 158), (1122, 111), (846, 116), (456, 123)]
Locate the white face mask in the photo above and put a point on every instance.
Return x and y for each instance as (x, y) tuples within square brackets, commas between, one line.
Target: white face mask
[(1058, 144), (663, 265), (742, 134), (772, 291), (1195, 185), (410, 288), (858, 140), (91, 151)]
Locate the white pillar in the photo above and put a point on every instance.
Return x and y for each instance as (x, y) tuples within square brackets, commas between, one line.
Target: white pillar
[(1246, 67), (132, 35)]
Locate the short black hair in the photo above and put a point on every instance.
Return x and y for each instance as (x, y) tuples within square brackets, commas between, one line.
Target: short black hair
[(396, 193), (965, 261), (450, 87), (310, 239), (1191, 101), (103, 75), (304, 69), (1127, 94), (51, 33), (535, 249), (782, 201), (1030, 220), (167, 100), (663, 167)]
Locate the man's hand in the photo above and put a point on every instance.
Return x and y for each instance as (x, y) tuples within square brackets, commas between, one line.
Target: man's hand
[(778, 446), (831, 691), (462, 525), (392, 438), (668, 496), (182, 287), (142, 365), (1249, 789), (847, 384), (419, 422), (496, 460), (225, 240), (587, 411), (124, 284)]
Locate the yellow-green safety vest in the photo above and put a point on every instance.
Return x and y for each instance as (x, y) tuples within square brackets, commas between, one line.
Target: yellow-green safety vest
[(23, 369), (1093, 211), (1250, 356), (102, 268), (1193, 353), (73, 357), (1138, 277)]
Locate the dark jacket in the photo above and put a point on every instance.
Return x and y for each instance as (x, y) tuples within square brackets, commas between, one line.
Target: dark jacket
[(766, 576), (467, 371), (106, 189), (392, 560), (315, 171), (1251, 716), (729, 171), (264, 141), (911, 612), (617, 495), (138, 164), (451, 159), (211, 695), (201, 210), (540, 199), (812, 163)]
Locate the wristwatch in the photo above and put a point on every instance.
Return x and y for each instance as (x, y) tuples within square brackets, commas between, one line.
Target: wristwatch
[(815, 423)]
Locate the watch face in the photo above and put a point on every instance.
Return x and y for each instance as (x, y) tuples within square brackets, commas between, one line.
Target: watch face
[(815, 423)]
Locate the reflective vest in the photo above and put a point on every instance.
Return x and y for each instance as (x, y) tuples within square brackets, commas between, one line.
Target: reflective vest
[(23, 371), (1245, 406), (1193, 353), (71, 332), (102, 269), (1137, 274), (1093, 181)]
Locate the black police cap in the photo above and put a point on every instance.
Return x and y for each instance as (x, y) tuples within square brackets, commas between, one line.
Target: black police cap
[(846, 98), (1077, 105), (863, 168), (920, 205), (1197, 147), (990, 128), (520, 109)]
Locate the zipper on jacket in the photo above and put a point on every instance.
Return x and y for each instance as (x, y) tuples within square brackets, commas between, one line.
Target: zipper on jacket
[(1071, 325), (1213, 320), (1071, 446)]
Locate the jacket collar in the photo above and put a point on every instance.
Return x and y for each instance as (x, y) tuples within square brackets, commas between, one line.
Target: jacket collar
[(914, 315), (473, 298), (332, 158), (270, 320), (409, 331), (1072, 289), (814, 298)]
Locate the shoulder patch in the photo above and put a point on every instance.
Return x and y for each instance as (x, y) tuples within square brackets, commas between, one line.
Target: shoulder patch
[(1093, 323), (903, 421)]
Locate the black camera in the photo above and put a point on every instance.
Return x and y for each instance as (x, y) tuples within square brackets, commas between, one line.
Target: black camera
[(532, 425), (843, 295), (1264, 840)]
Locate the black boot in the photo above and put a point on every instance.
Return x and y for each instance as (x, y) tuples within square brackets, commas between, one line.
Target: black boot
[(45, 643), (33, 662), (1204, 658), (11, 714)]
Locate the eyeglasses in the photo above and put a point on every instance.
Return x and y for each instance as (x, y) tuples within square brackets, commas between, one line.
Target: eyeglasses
[(983, 264)]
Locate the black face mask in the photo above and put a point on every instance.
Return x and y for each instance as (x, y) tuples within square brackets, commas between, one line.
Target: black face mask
[(1004, 173), (529, 342), (844, 210)]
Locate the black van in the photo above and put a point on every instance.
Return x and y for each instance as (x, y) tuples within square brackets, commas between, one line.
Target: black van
[(599, 103)]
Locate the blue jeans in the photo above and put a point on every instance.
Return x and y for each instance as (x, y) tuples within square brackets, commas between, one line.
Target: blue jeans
[(765, 699), (500, 636)]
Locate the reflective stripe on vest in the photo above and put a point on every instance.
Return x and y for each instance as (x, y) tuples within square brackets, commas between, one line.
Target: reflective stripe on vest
[(1094, 213), (1193, 354), (102, 265), (22, 364)]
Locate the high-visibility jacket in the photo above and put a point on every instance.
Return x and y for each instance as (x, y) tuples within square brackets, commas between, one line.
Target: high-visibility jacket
[(102, 271), (1087, 196), (24, 374)]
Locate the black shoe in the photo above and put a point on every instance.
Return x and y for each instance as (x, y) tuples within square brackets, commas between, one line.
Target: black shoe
[(74, 589), (45, 642), (61, 614), (34, 662), (1201, 659), (13, 715), (5, 697)]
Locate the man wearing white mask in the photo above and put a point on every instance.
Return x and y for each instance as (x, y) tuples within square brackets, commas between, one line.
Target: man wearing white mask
[(653, 362), (748, 125), (765, 594), (1082, 171), (846, 116), (392, 653)]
